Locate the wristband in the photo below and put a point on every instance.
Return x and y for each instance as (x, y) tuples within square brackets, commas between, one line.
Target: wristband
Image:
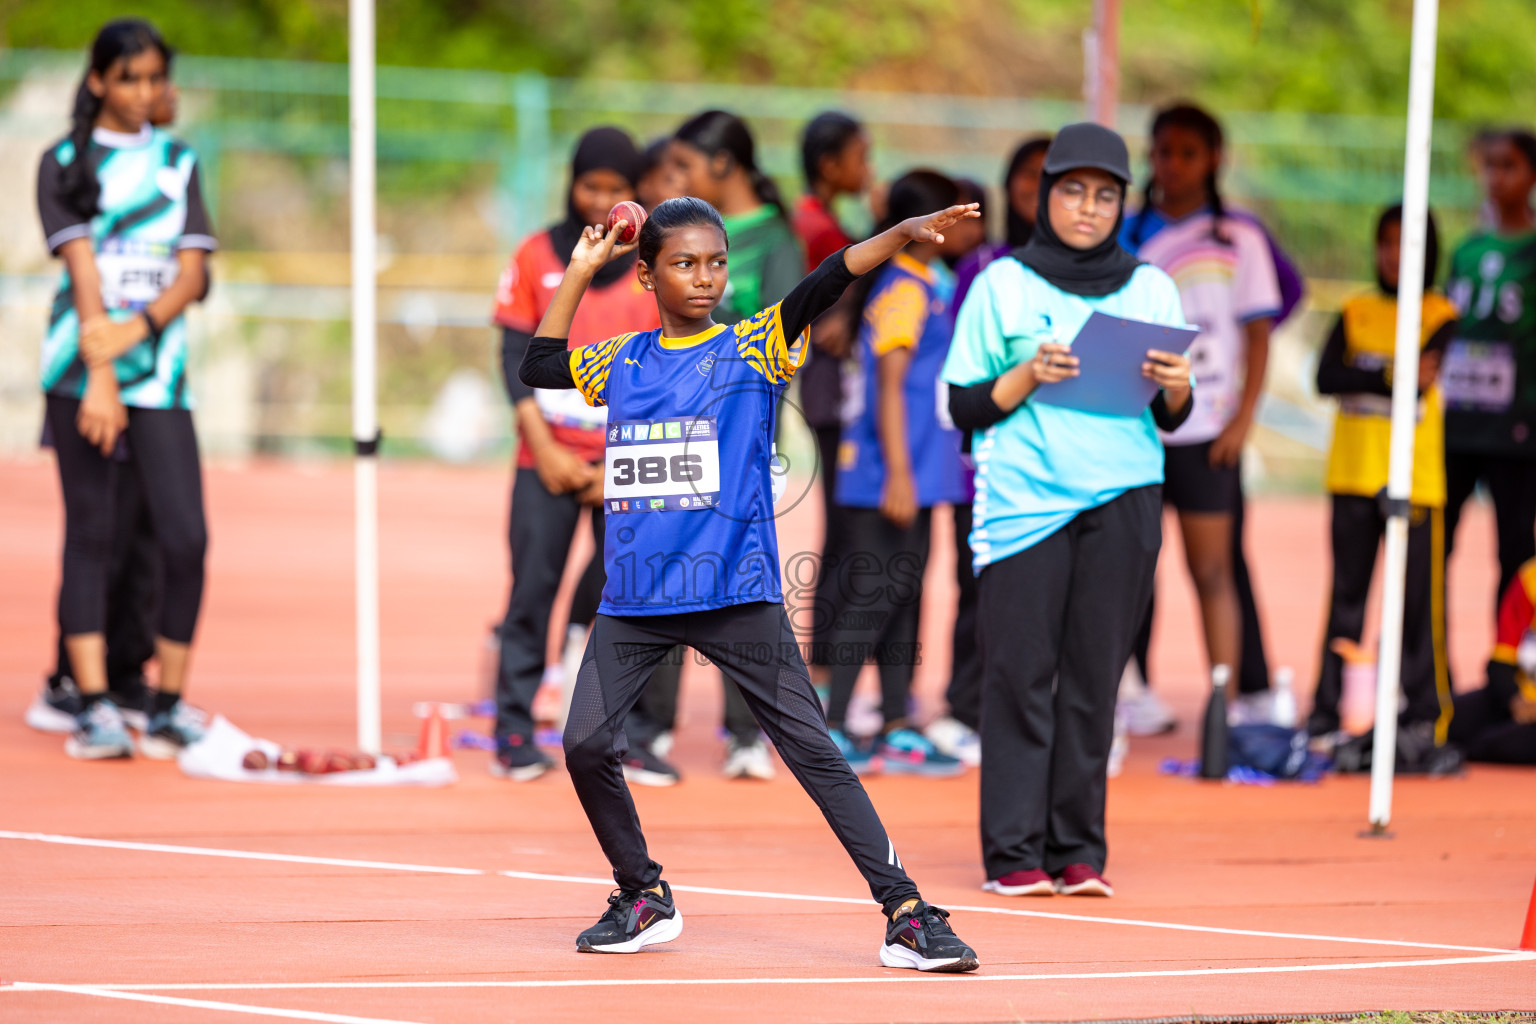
[(149, 322)]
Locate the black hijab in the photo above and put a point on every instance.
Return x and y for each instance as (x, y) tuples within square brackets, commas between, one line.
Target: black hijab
[(1104, 269), (601, 149)]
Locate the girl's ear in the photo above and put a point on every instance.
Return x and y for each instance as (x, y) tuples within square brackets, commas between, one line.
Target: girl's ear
[(646, 280), (720, 165), (96, 84)]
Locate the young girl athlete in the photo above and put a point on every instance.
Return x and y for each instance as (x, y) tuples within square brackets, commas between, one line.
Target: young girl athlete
[(691, 552), (121, 205)]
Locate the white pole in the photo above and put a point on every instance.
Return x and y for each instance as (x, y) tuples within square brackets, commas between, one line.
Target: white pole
[(365, 419), (1405, 400)]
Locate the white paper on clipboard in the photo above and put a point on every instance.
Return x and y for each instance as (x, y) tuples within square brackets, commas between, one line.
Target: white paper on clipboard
[(1110, 351)]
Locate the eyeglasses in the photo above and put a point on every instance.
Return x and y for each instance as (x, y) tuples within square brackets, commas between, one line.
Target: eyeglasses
[(1106, 201)]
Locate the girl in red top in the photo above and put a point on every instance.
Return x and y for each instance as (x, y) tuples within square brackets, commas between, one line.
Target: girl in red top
[(560, 438)]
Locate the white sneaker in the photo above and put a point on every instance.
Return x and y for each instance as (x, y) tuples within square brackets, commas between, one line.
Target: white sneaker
[(1146, 714), (864, 717), (661, 746), (748, 761), (1119, 746), (953, 737)]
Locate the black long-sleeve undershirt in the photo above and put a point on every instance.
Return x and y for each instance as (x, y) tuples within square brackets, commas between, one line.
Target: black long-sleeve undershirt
[(972, 408), (1336, 376), (547, 363), (514, 347)]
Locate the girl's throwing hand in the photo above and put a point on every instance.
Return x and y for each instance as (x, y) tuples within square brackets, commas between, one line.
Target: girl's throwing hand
[(931, 228), (597, 246), (1053, 362)]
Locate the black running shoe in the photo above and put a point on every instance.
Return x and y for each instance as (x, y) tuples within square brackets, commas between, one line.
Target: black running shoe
[(518, 759), (56, 707), (635, 918), (644, 768), (921, 938)]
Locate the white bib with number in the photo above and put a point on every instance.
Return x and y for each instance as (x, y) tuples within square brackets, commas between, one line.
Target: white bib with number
[(133, 274), (1478, 375), (662, 465)]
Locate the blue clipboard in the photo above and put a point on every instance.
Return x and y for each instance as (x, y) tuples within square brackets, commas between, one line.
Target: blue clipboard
[(1110, 351)]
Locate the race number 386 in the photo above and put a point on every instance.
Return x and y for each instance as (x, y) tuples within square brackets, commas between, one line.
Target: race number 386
[(657, 469), (662, 464)]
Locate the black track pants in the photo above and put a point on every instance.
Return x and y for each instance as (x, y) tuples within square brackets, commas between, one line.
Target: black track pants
[(1357, 529), (165, 459), (1057, 624), (754, 643)]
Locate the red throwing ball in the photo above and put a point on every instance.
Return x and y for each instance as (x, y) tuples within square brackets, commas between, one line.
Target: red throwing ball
[(633, 214)]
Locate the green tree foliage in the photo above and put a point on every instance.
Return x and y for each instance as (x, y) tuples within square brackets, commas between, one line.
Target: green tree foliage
[(1304, 55)]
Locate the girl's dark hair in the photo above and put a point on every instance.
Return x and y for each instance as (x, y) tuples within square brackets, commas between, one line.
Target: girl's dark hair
[(1524, 143), (685, 211), (825, 135), (117, 40), (912, 195), (972, 191), (1394, 215), (717, 131), (652, 155), (1194, 119), (1018, 225)]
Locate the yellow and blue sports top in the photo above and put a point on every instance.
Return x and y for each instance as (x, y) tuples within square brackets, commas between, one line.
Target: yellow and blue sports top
[(909, 307), (689, 460)]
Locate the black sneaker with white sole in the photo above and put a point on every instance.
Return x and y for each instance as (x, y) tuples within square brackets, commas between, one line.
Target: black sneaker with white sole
[(920, 938), (518, 759), (644, 768), (56, 707), (635, 918)]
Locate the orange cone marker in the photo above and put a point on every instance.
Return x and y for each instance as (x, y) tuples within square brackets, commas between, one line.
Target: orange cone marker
[(1528, 937), (434, 735)]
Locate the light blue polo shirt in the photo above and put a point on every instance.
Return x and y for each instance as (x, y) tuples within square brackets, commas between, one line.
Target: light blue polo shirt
[(1043, 464)]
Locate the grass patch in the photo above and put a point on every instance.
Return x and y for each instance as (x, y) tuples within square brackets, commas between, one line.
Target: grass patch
[(1425, 1017)]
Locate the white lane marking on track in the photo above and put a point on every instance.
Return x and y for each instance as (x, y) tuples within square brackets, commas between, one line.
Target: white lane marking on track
[(201, 1004), (1192, 972), (1013, 912), (205, 851), (201, 851)]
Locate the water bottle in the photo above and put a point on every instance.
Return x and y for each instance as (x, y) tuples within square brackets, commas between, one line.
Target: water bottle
[(1213, 738), (1283, 703)]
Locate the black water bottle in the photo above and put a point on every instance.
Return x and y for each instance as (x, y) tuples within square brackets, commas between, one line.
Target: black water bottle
[(1213, 737)]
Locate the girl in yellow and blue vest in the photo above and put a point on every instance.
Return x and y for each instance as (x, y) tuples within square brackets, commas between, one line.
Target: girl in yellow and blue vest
[(1356, 366)]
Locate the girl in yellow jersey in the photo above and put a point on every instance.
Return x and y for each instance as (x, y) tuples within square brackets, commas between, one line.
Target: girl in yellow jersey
[(1356, 366)]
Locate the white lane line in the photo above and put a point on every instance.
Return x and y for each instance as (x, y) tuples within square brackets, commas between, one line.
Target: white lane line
[(745, 893), (877, 979), (1014, 912), (201, 1004), (204, 851)]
